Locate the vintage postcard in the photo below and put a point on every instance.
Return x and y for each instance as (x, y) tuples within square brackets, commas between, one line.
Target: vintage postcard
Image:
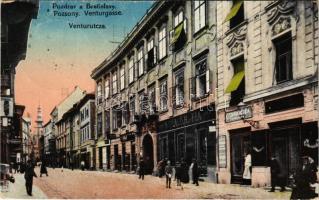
[(162, 99)]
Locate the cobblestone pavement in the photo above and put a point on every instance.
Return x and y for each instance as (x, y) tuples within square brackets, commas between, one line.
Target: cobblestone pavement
[(95, 184), (17, 190)]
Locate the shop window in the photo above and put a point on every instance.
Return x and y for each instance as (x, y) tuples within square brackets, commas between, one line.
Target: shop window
[(283, 66), (140, 62), (259, 149), (151, 55), (131, 70), (237, 84), (286, 103), (99, 124), (163, 95), (178, 89), (199, 15), (178, 34), (162, 44), (236, 14), (152, 100)]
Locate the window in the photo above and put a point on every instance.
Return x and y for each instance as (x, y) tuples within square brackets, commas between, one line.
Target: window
[(99, 124), (140, 62), (114, 82), (107, 88), (143, 98), (151, 54), (162, 42), (119, 117), (122, 77), (163, 95), (200, 83), (178, 34), (179, 88), (237, 84), (283, 66), (99, 93), (152, 101), (125, 113), (107, 122), (132, 109), (178, 19), (131, 70), (200, 15), (114, 118), (236, 14)]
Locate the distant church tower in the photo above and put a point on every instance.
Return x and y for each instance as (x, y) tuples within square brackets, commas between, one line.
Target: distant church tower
[(39, 122)]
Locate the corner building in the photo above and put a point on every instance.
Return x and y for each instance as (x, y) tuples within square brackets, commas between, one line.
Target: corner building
[(155, 92), (267, 90)]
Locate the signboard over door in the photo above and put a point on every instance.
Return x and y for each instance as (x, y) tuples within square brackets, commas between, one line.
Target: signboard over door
[(222, 151)]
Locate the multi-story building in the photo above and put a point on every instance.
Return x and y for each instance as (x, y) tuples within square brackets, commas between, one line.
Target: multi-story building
[(86, 132), (13, 50), (155, 92), (60, 125), (26, 139), (267, 86), (48, 144)]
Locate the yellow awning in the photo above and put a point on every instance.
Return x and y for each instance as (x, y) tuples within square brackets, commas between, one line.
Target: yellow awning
[(177, 32), (235, 82), (234, 10)]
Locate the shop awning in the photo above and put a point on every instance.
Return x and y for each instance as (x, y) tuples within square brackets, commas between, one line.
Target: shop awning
[(177, 32), (234, 10), (235, 81)]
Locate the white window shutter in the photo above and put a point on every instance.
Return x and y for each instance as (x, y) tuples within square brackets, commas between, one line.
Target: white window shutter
[(155, 54), (171, 37), (207, 82), (185, 25)]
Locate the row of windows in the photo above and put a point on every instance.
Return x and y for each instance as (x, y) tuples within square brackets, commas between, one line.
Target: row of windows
[(146, 62), (85, 134), (84, 114)]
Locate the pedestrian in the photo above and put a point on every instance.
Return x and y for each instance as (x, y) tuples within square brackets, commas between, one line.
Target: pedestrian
[(178, 174), (71, 164), (14, 165), (28, 175), (168, 173), (160, 166), (304, 177), (141, 169), (195, 172), (43, 169), (275, 171), (82, 165), (184, 173), (247, 169)]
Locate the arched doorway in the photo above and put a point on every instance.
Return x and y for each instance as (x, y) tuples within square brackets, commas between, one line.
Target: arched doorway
[(148, 154)]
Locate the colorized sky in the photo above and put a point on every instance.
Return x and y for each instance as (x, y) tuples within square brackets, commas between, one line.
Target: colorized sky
[(59, 58)]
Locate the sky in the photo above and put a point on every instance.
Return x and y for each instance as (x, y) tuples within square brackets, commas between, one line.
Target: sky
[(60, 58)]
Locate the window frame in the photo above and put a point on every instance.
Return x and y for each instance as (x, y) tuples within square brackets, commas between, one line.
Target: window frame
[(140, 61), (131, 70), (199, 21), (114, 83), (122, 77), (162, 42), (179, 87), (163, 95)]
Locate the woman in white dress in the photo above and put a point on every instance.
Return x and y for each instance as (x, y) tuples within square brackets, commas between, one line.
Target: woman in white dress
[(247, 169)]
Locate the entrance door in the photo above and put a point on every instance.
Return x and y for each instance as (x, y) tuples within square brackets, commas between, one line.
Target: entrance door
[(100, 158), (108, 157), (286, 147), (240, 143), (116, 154), (148, 154)]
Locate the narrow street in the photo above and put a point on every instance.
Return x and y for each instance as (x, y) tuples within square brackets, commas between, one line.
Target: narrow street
[(94, 184)]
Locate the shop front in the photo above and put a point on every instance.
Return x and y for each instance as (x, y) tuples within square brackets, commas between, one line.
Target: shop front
[(128, 152), (190, 136)]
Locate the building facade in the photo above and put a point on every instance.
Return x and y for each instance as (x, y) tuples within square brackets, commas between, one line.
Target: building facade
[(155, 92), (13, 49), (26, 139), (49, 143), (267, 86)]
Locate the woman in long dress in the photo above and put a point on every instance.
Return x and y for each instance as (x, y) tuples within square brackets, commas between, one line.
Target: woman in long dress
[(247, 169)]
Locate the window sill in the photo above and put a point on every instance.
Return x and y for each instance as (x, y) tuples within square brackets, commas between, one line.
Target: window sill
[(200, 98), (200, 32), (162, 60), (163, 111)]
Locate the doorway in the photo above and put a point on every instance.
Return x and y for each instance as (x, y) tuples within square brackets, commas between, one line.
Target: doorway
[(148, 154)]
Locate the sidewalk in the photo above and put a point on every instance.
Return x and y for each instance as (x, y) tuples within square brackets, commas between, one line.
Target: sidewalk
[(17, 190)]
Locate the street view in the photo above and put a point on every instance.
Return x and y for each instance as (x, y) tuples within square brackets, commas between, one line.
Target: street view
[(159, 99)]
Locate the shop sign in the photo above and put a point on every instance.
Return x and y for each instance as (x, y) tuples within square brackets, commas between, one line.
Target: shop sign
[(127, 137), (241, 113), (222, 151)]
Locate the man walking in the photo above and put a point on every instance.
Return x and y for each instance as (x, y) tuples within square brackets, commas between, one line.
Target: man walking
[(274, 174), (43, 169), (195, 172), (141, 170), (28, 175), (168, 173)]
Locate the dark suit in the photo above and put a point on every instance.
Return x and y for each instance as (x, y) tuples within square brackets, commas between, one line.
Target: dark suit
[(28, 175), (274, 172), (195, 173), (141, 171)]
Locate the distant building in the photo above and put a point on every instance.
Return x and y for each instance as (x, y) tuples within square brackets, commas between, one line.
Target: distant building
[(26, 138)]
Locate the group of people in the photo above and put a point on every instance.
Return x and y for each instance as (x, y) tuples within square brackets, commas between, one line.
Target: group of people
[(164, 168)]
